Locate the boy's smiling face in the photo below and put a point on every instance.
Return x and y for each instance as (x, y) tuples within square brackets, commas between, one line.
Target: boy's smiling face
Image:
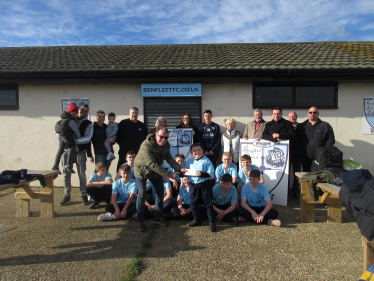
[(180, 161), (226, 160), (101, 172), (111, 119), (246, 164), (130, 159), (197, 152), (125, 175)]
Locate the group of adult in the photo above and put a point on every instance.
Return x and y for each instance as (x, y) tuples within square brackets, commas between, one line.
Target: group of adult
[(131, 136)]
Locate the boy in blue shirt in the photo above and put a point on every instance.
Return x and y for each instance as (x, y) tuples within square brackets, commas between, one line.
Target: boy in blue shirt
[(179, 158), (99, 186), (227, 167), (183, 209), (247, 167), (256, 204), (167, 200), (123, 197), (225, 200), (130, 158), (201, 185)]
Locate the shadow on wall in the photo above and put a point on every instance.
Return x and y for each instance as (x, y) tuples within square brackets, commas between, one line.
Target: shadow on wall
[(358, 151)]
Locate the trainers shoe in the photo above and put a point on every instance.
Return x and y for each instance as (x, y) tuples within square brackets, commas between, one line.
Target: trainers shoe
[(212, 226), (65, 201), (69, 169), (112, 157), (85, 200), (235, 220), (161, 221), (105, 217), (141, 226), (194, 223), (93, 205), (55, 168), (274, 223), (109, 157)]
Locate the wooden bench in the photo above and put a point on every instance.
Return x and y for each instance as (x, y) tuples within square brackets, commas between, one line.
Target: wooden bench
[(25, 194), (330, 198), (334, 211)]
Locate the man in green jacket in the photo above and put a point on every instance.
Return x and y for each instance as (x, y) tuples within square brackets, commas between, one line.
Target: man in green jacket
[(148, 165)]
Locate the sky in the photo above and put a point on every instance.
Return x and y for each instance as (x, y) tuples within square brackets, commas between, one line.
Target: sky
[(149, 22)]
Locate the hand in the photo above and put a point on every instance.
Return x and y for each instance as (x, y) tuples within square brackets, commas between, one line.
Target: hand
[(117, 214), (258, 139), (174, 175), (206, 153), (183, 211), (245, 138), (260, 218), (275, 136), (111, 140), (220, 215), (175, 184), (124, 213), (151, 208), (198, 174), (183, 171), (254, 216), (92, 160), (211, 152)]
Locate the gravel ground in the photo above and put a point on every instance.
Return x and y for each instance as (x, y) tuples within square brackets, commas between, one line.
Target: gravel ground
[(75, 246)]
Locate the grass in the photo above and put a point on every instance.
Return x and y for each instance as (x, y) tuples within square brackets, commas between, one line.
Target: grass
[(134, 267)]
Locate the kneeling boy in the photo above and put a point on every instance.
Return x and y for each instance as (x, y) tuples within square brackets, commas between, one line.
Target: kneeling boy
[(225, 200), (256, 204), (201, 186), (123, 197), (99, 186)]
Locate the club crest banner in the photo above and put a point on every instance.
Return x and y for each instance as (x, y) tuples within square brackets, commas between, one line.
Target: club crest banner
[(180, 141), (273, 161), (368, 118)]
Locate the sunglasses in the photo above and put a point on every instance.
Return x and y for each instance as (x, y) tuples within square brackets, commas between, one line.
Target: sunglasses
[(163, 138), (83, 110), (313, 112)]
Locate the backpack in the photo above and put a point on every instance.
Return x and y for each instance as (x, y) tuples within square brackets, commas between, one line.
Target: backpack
[(58, 127), (329, 157)]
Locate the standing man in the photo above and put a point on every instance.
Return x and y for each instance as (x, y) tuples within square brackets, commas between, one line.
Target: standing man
[(130, 135), (278, 128), (98, 139), (313, 133), (148, 165), (294, 159), (210, 137), (254, 129), (84, 144)]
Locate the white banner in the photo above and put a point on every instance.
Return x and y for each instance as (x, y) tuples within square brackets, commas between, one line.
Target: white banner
[(273, 160), (368, 116)]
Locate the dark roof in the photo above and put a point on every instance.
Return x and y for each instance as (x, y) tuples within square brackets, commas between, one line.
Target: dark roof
[(320, 55)]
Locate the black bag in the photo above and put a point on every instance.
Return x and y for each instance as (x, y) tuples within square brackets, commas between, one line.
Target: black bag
[(329, 157), (58, 127)]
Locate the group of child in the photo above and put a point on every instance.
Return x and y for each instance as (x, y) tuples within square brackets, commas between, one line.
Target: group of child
[(194, 197), (68, 132)]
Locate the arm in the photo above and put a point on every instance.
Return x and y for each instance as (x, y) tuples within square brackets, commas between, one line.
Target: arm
[(73, 125), (217, 144), (168, 195), (150, 160), (245, 136), (245, 206), (87, 135), (117, 213), (172, 162), (269, 205), (128, 203), (150, 207), (90, 183), (289, 133), (266, 134), (114, 132), (331, 139)]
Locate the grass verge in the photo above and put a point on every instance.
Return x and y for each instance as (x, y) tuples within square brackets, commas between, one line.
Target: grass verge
[(134, 267)]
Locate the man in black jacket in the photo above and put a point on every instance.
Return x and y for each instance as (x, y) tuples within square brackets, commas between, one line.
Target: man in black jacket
[(313, 133), (279, 128)]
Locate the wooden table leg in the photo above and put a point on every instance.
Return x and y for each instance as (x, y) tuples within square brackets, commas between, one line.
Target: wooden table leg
[(306, 210), (22, 206), (334, 212), (368, 254), (47, 205)]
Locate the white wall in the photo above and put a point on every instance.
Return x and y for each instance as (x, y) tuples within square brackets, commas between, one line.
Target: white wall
[(27, 138)]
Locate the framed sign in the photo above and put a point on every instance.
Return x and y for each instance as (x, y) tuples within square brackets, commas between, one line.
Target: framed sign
[(273, 160), (65, 102), (180, 141), (368, 118)]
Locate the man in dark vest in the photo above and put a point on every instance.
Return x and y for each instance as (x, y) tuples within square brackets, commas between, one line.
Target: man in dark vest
[(98, 138), (84, 144)]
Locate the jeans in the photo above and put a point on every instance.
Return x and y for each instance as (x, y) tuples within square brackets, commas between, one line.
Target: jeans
[(102, 158), (203, 191), (272, 214), (159, 196), (80, 158)]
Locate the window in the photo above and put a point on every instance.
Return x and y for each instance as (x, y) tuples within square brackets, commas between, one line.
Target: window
[(9, 97), (295, 95)]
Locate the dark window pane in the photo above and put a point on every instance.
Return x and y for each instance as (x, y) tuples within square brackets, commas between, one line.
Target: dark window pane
[(314, 96), (273, 96), (8, 97)]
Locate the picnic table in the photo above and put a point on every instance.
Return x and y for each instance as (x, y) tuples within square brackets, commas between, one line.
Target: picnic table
[(25, 194), (334, 211)]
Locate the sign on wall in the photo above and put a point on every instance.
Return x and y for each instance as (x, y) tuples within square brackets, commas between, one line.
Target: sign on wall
[(171, 90), (273, 160), (368, 118), (180, 141)]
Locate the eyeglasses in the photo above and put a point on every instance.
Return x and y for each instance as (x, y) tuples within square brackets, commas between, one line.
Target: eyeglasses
[(131, 157), (163, 138), (313, 112)]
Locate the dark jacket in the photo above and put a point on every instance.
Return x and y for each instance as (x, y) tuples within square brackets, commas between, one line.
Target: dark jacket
[(207, 141), (285, 130), (311, 137), (152, 156), (98, 139), (130, 136), (82, 129), (65, 132)]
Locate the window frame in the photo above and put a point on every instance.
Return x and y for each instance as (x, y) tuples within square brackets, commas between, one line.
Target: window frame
[(10, 87), (294, 85)]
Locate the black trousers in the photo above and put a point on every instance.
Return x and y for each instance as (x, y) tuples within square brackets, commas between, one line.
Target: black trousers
[(98, 194), (130, 211), (61, 150), (228, 217)]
